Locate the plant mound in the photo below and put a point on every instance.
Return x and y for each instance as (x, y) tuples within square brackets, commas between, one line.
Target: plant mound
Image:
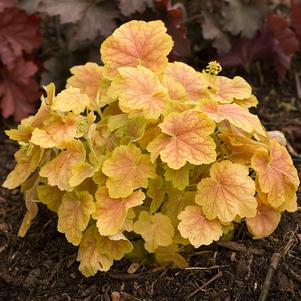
[(142, 156)]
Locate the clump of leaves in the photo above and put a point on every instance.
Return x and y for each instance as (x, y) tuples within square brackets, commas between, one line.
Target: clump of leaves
[(19, 37), (145, 155)]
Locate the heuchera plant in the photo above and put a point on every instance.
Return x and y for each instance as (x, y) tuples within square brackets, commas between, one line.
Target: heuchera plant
[(141, 152)]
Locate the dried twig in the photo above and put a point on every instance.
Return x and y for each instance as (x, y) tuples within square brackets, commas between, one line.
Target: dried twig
[(218, 275), (207, 268), (275, 260), (298, 84), (233, 245)]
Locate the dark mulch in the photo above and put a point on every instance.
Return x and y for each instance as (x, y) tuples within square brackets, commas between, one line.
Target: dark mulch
[(43, 266)]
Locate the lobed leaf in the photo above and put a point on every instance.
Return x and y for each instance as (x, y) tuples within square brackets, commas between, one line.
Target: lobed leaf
[(136, 43), (197, 228), (228, 192), (156, 230), (277, 175), (74, 214), (185, 138), (138, 89), (127, 169), (111, 213)]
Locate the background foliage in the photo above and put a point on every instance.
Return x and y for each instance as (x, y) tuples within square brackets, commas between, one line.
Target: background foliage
[(237, 32)]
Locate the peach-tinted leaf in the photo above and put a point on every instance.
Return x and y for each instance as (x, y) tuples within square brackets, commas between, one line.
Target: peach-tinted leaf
[(191, 80), (50, 196), (74, 215), (138, 89), (29, 189), (111, 213), (227, 193), (42, 139), (58, 171), (86, 78), (156, 230), (225, 90), (127, 169), (264, 223), (175, 89), (136, 43), (185, 139), (27, 161), (238, 146), (70, 99), (90, 254), (276, 174), (59, 130), (178, 177), (197, 228), (236, 115)]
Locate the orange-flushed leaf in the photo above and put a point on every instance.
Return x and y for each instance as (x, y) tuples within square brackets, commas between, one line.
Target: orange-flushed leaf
[(156, 190), (136, 43), (226, 90), (59, 130), (86, 78), (277, 175), (264, 223), (185, 139), (70, 99), (127, 169), (74, 214), (192, 81), (111, 213), (236, 115), (58, 171), (178, 177), (228, 192), (238, 146), (176, 202), (29, 189), (97, 253), (27, 162), (197, 228), (176, 91), (50, 196), (90, 254), (156, 230), (139, 89)]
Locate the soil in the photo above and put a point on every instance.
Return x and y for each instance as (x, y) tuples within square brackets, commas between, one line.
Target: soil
[(43, 267)]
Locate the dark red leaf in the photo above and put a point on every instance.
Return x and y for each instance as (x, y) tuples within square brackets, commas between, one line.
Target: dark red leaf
[(19, 31), (6, 4), (296, 16), (18, 89), (286, 43), (276, 43), (173, 16)]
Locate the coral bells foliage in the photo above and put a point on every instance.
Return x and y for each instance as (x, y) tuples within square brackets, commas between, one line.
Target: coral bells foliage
[(143, 153), (19, 37)]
